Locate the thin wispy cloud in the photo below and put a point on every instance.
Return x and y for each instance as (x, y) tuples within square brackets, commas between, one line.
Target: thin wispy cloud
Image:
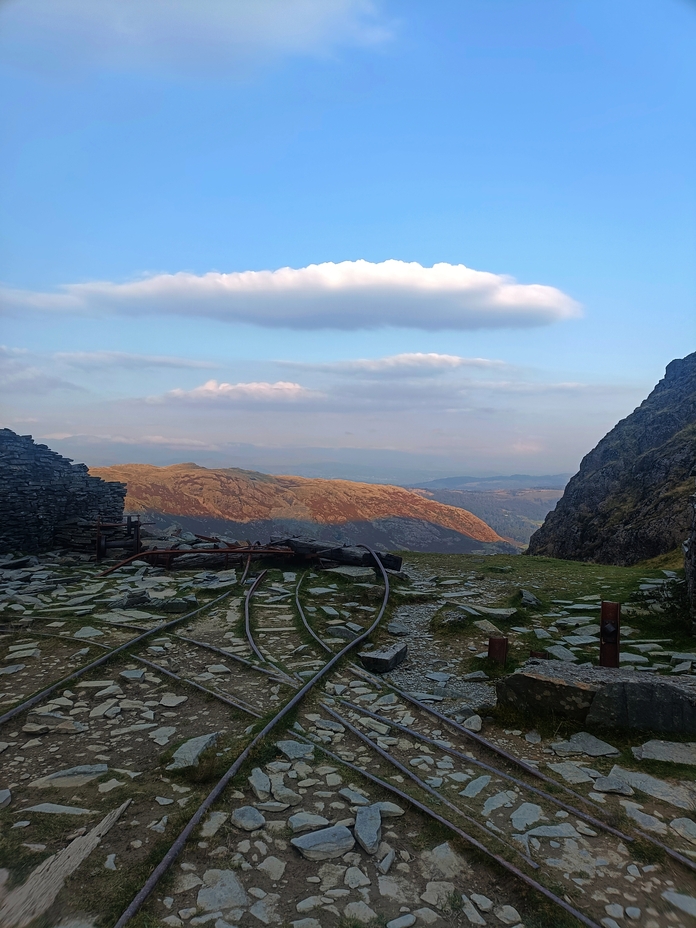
[(226, 37), (20, 376), (122, 359), (409, 364), (349, 295), (255, 392)]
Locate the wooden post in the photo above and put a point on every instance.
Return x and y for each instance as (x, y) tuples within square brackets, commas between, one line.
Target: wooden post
[(609, 634)]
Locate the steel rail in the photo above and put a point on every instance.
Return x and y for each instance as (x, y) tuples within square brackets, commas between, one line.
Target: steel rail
[(247, 617), (284, 678), (305, 621), (484, 766), (511, 868), (203, 552), (485, 743), (203, 689), (178, 845), (425, 786), (42, 694)]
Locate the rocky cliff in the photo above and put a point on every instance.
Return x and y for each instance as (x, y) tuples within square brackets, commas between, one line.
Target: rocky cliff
[(630, 499), (253, 505)]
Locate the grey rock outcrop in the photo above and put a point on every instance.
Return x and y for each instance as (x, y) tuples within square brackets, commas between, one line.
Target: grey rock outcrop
[(44, 497), (630, 500)]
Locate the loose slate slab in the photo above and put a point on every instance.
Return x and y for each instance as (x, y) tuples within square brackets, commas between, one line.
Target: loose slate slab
[(368, 828), (678, 796), (685, 827), (325, 844), (680, 901), (294, 750), (672, 752), (5, 798), (189, 753), (355, 799), (51, 808), (74, 776), (222, 890), (383, 660), (13, 668), (583, 742)]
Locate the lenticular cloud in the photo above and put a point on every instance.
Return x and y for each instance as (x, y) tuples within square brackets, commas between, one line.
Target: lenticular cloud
[(347, 295)]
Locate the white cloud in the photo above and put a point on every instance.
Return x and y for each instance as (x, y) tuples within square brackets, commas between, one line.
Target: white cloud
[(410, 364), (347, 295), (261, 392), (103, 359), (198, 36)]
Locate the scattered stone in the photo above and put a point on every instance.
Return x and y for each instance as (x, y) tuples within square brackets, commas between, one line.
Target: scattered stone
[(213, 823), (473, 723), (388, 809), (110, 862), (384, 660), (571, 772), (360, 912), (325, 844), (88, 632), (475, 787), (403, 921), (51, 808), (678, 796), (584, 743), (5, 798), (354, 798), (260, 784), (171, 700), (248, 818), (306, 821), (72, 777), (132, 675), (671, 752), (222, 890), (680, 901), (524, 816), (443, 861), (529, 599), (507, 914), (368, 831), (533, 737), (648, 822), (161, 736), (684, 827), (612, 785), (561, 653), (295, 750), (483, 902), (470, 912), (427, 916), (189, 753), (355, 878), (438, 893), (266, 909)]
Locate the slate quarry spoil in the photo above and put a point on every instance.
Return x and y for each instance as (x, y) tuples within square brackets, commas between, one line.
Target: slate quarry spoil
[(389, 798)]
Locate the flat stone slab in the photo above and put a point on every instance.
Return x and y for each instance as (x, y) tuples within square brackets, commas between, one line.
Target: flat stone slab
[(222, 890), (525, 815), (612, 785), (189, 753), (368, 828), (5, 798), (571, 772), (325, 844), (295, 750), (583, 742), (669, 751), (678, 796), (13, 668), (74, 776), (383, 660), (685, 827), (355, 799), (680, 901), (561, 653), (306, 821), (51, 808)]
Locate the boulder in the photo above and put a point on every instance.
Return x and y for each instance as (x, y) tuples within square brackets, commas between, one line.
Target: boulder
[(382, 660), (602, 697)]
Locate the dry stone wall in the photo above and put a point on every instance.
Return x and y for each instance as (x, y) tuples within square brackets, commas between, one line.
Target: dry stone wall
[(41, 493)]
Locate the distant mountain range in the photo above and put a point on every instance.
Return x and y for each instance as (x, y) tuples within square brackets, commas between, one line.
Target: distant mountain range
[(513, 482), (251, 505)]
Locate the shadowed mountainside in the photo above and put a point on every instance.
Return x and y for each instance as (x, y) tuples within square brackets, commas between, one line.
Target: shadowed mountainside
[(250, 504), (630, 499)]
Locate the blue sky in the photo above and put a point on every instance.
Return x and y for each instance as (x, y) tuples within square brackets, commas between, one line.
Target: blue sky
[(154, 153)]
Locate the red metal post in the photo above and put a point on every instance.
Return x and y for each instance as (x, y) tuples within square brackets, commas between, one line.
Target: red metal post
[(497, 650), (609, 634)]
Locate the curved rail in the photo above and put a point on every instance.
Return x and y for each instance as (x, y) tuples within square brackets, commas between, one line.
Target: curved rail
[(305, 621), (247, 618), (105, 658), (178, 845)]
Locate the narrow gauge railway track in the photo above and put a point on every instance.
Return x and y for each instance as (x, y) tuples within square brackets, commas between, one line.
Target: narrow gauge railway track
[(178, 845), (180, 650), (464, 808)]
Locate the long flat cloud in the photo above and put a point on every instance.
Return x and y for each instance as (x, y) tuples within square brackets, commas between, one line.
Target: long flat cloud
[(347, 295), (408, 364), (256, 392)]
